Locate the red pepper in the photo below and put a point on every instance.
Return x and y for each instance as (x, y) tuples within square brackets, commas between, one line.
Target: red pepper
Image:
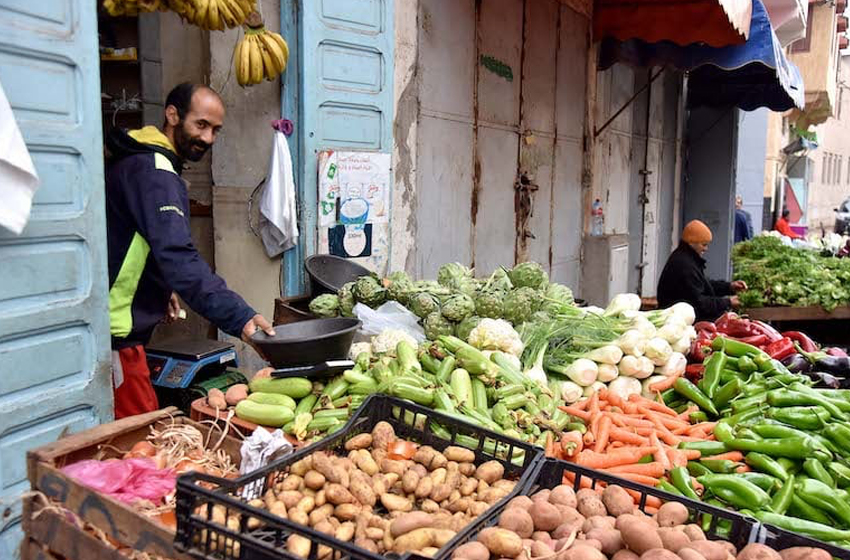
[(697, 353), (804, 341), (765, 329), (706, 326), (781, 348), (694, 372), (732, 325), (758, 340)]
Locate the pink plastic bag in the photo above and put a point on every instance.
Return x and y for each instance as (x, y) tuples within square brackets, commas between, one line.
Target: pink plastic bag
[(126, 480)]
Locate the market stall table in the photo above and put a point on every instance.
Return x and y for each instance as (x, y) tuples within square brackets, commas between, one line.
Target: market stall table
[(832, 328)]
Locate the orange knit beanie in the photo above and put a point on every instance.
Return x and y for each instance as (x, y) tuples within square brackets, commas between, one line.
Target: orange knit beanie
[(696, 232)]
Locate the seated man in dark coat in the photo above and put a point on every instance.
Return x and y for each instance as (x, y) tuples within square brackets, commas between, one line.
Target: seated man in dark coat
[(683, 277)]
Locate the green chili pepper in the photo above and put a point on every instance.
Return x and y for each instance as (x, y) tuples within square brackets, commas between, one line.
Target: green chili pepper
[(778, 431), (706, 448), (820, 531), (698, 469), (803, 417), (802, 509), (736, 349), (796, 448), (727, 392), (816, 470), (743, 417), (746, 365), (728, 375), (711, 377), (765, 464), (746, 403), (737, 491), (773, 367), (690, 391), (782, 499), (752, 388), (746, 433), (723, 432), (791, 466), (763, 481), (697, 417), (835, 407), (723, 466), (820, 495), (682, 481), (839, 434), (669, 396), (667, 487), (841, 474)]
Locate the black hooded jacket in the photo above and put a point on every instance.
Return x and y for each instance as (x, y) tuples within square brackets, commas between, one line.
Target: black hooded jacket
[(150, 248), (683, 280)]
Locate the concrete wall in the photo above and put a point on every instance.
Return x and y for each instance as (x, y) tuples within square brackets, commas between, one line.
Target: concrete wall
[(749, 176), (818, 65)]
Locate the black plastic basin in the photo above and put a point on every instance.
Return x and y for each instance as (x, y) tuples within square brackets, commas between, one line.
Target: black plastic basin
[(307, 342), (328, 273)]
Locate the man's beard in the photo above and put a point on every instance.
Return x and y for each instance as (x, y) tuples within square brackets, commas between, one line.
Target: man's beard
[(188, 148)]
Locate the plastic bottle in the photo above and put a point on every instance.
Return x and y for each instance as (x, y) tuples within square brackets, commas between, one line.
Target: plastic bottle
[(597, 219)]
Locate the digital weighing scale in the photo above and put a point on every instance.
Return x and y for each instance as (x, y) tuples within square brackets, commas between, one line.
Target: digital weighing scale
[(178, 364)]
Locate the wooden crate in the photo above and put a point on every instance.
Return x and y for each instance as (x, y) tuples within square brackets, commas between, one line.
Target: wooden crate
[(33, 550), (779, 314), (118, 520), (291, 310)]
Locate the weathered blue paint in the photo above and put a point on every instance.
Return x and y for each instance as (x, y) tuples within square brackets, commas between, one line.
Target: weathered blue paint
[(54, 329), (344, 96)]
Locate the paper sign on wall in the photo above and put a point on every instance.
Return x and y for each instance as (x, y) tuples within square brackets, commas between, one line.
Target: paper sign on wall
[(354, 188)]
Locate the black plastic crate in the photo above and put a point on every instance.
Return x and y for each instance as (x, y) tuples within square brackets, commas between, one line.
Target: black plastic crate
[(781, 539), (261, 535)]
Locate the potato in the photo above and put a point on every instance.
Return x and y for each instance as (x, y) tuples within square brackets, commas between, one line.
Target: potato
[(694, 532), (758, 552), (394, 502), (617, 501), (438, 476), (609, 538), (589, 504), (366, 463), (472, 551), (622, 520), (478, 508), (545, 516), (519, 521), (430, 506), (410, 481), (567, 529), (597, 522), (414, 540), (298, 545), (469, 486), (325, 464), (459, 454), (690, 554), (490, 472), (440, 492), (301, 466), (367, 544), (360, 441), (277, 508), (375, 533), (383, 434), (501, 542), (299, 516), (563, 495), (640, 537), (493, 495), (625, 554), (337, 494), (345, 532), (361, 489), (523, 502), (569, 514), (430, 458), (347, 512), (671, 514), (407, 522), (442, 536), (583, 551), (320, 514), (314, 480), (592, 542), (216, 399), (711, 550), (804, 553), (236, 394), (673, 539), (659, 554)]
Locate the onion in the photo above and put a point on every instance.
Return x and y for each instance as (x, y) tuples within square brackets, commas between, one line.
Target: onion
[(142, 449)]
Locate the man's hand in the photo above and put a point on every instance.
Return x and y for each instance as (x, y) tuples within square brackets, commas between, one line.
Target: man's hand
[(257, 322), (735, 302), (174, 310), (739, 286)]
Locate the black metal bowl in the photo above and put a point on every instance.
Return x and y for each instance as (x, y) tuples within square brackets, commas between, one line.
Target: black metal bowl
[(307, 342), (328, 273)]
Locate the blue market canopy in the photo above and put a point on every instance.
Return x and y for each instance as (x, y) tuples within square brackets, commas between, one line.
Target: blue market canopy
[(755, 74)]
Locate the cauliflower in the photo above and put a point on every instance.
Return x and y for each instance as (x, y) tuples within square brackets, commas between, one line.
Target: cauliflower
[(357, 348), (496, 334), (387, 341)]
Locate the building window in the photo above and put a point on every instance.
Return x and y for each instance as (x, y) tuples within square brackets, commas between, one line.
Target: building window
[(803, 45)]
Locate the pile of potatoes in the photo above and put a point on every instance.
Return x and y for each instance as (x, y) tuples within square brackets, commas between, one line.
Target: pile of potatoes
[(385, 504), (560, 524)]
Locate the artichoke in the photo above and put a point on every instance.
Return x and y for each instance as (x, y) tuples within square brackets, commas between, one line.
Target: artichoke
[(499, 281), (346, 300), (423, 304), (436, 325), (458, 307), (325, 306), (521, 304), (488, 303), (557, 296), (368, 291), (528, 275), (465, 327), (452, 274), (399, 286)]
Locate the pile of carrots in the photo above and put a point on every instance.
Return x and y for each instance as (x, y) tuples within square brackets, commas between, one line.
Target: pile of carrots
[(621, 434)]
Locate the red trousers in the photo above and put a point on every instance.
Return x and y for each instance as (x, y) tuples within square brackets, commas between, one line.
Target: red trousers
[(131, 382)]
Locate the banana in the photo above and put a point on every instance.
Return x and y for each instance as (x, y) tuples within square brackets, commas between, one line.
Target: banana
[(256, 61), (213, 17), (240, 65), (275, 53), (283, 47), (227, 17), (268, 65), (201, 9)]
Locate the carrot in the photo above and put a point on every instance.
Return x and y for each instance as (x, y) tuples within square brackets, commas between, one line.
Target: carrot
[(575, 411), (651, 501), (572, 443), (735, 456), (650, 510), (691, 454), (635, 422), (616, 445), (652, 405), (613, 458), (704, 426), (570, 478), (549, 448), (603, 434), (664, 433), (589, 438), (647, 469), (666, 421), (686, 414), (594, 424), (640, 479), (677, 457), (658, 452), (743, 468), (593, 403), (581, 405), (625, 436), (659, 386)]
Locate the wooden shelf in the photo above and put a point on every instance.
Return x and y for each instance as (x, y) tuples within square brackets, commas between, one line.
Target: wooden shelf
[(798, 314)]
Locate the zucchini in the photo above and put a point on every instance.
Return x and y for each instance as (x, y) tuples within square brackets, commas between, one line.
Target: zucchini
[(273, 398), (461, 386), (264, 414), (295, 387), (306, 405)]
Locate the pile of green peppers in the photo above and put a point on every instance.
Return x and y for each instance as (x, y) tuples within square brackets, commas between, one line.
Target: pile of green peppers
[(795, 441)]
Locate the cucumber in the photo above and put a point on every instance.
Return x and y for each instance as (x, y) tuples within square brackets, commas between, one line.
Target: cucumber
[(264, 414), (273, 398), (295, 387)]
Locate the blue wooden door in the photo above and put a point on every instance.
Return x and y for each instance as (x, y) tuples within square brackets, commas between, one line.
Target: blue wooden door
[(339, 85), (54, 331)]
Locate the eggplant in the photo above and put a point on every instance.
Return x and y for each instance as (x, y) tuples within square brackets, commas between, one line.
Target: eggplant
[(797, 363), (824, 380), (838, 366)]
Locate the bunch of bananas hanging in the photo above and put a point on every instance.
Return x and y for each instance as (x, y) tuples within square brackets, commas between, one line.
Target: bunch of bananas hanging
[(260, 54), (214, 15)]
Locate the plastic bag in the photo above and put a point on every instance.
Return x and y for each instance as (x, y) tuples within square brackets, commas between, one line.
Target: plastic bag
[(258, 450), (127, 480), (391, 315)]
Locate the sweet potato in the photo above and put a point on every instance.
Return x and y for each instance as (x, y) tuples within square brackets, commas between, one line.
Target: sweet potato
[(659, 554), (523, 502), (216, 399), (625, 555), (519, 521), (690, 554), (501, 542), (694, 532), (589, 504), (410, 521), (236, 394), (472, 551)]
